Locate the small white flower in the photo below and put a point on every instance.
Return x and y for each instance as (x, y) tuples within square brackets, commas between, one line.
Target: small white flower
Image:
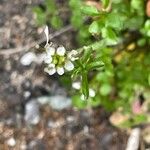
[(72, 55), (50, 50), (48, 59), (82, 97), (91, 93), (69, 66), (60, 70), (50, 69), (76, 85), (61, 51)]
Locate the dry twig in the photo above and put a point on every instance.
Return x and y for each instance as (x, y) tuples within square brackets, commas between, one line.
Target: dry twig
[(11, 51)]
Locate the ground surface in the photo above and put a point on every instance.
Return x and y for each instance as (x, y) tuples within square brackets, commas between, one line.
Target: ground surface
[(68, 129)]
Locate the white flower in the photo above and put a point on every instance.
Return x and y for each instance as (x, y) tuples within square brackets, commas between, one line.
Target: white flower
[(48, 59), (72, 55), (57, 60), (50, 69), (82, 97), (50, 50), (76, 85), (91, 93), (60, 70), (61, 51), (69, 66)]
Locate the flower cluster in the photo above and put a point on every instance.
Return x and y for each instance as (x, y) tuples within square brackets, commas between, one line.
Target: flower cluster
[(58, 59), (77, 86)]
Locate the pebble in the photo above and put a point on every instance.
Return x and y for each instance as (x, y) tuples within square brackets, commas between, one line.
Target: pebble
[(57, 102), (32, 114), (11, 142), (28, 58)]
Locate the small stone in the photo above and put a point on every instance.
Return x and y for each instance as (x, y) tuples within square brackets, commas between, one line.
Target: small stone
[(11, 142), (28, 58), (146, 135), (60, 102), (43, 100), (32, 114), (27, 94), (57, 102)]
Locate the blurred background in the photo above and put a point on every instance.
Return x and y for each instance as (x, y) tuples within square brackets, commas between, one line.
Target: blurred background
[(36, 111)]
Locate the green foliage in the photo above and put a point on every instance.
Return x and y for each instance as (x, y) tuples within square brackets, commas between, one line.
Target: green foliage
[(116, 59), (90, 10), (134, 121), (124, 72), (105, 3), (48, 15)]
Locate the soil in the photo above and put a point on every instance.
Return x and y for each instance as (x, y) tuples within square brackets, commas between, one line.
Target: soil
[(69, 129)]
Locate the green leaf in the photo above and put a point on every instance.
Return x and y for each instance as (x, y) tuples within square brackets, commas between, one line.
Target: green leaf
[(85, 86), (141, 42), (87, 54), (105, 3), (77, 102), (149, 79), (40, 16), (56, 22), (94, 28), (90, 10), (136, 4), (109, 35), (94, 102), (75, 3), (95, 65), (136, 120), (50, 6), (115, 21), (105, 89), (76, 19)]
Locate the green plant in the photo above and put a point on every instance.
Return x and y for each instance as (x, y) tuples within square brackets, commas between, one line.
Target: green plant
[(48, 14), (114, 54)]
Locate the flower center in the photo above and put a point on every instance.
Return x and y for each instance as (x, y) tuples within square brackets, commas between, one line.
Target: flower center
[(58, 60)]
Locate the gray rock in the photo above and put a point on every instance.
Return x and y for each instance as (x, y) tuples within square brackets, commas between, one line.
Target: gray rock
[(28, 58), (32, 114), (57, 102), (60, 102)]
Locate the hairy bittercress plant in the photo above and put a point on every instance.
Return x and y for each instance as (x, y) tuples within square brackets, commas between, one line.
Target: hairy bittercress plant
[(113, 62)]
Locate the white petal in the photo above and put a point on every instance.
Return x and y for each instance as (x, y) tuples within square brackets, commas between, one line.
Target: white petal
[(48, 59), (72, 55), (60, 70), (69, 65), (91, 93), (51, 65), (61, 51), (82, 97), (50, 69), (50, 50), (47, 34), (76, 85)]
